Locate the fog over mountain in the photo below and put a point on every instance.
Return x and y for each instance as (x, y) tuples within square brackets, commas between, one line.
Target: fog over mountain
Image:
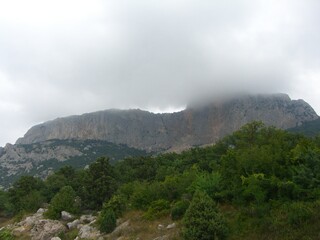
[(60, 58)]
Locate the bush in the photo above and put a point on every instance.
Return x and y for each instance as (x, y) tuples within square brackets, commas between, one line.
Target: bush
[(157, 209), (107, 220), (179, 209), (117, 203), (64, 200), (144, 194), (23, 193), (202, 221), (299, 213), (209, 183), (32, 201)]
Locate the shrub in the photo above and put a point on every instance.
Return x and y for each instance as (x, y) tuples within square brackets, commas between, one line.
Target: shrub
[(299, 213), (64, 200), (179, 209), (117, 203), (209, 183), (157, 209), (107, 220), (202, 221), (144, 194)]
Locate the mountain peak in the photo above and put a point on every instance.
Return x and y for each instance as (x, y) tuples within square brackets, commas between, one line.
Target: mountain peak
[(200, 124)]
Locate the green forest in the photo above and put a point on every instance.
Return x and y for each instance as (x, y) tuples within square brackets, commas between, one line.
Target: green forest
[(257, 183)]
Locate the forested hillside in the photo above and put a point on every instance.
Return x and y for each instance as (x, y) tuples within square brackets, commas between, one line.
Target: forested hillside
[(258, 183), (310, 129), (41, 159)]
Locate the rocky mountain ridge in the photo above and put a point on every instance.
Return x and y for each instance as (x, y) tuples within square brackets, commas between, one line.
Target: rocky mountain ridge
[(199, 124), (42, 158)]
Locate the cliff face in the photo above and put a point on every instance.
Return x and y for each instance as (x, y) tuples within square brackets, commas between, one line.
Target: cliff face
[(197, 125)]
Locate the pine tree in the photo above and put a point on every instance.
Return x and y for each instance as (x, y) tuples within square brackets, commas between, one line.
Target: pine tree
[(202, 220)]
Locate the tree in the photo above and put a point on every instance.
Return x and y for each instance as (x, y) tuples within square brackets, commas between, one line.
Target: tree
[(64, 200), (4, 202), (107, 220), (202, 220), (23, 191), (99, 183)]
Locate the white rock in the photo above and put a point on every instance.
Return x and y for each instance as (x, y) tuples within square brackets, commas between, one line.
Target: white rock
[(41, 210), (87, 231), (46, 229), (87, 218), (170, 226), (121, 228), (73, 224), (160, 227), (66, 216), (55, 238)]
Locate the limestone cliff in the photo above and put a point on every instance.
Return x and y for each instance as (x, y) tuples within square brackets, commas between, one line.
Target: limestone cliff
[(199, 124)]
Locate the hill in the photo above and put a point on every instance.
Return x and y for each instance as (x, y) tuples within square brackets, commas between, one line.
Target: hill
[(199, 124), (257, 183), (42, 158)]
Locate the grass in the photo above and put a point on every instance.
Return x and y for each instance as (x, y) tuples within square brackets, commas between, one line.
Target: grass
[(140, 227)]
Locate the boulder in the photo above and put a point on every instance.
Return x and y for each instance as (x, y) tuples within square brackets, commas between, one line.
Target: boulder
[(123, 227), (89, 232), (160, 227), (65, 216), (41, 210), (172, 225), (87, 218), (74, 224), (46, 229)]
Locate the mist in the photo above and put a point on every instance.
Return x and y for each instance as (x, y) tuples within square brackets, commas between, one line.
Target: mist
[(60, 58)]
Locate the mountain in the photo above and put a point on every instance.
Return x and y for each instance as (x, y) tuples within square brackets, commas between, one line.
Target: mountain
[(42, 158), (199, 124), (310, 129)]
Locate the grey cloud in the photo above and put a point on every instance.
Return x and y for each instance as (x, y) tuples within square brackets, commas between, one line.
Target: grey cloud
[(155, 54)]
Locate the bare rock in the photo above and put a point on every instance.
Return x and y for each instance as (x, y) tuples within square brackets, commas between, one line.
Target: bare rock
[(89, 232), (65, 216), (74, 224), (200, 124), (160, 227), (46, 229), (87, 219), (41, 210), (123, 227), (172, 225)]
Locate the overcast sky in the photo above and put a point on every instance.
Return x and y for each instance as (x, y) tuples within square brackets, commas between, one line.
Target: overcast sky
[(64, 57)]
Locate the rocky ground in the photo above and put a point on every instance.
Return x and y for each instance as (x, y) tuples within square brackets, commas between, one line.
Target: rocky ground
[(132, 226)]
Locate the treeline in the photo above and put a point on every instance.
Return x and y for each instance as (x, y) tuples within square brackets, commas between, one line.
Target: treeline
[(260, 182)]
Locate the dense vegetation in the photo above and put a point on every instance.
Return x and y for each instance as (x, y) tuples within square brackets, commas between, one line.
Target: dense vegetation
[(258, 183), (310, 128), (90, 150)]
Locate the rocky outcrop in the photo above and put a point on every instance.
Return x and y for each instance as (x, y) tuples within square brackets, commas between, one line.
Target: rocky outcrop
[(134, 226), (199, 124), (41, 159), (46, 229), (38, 228)]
